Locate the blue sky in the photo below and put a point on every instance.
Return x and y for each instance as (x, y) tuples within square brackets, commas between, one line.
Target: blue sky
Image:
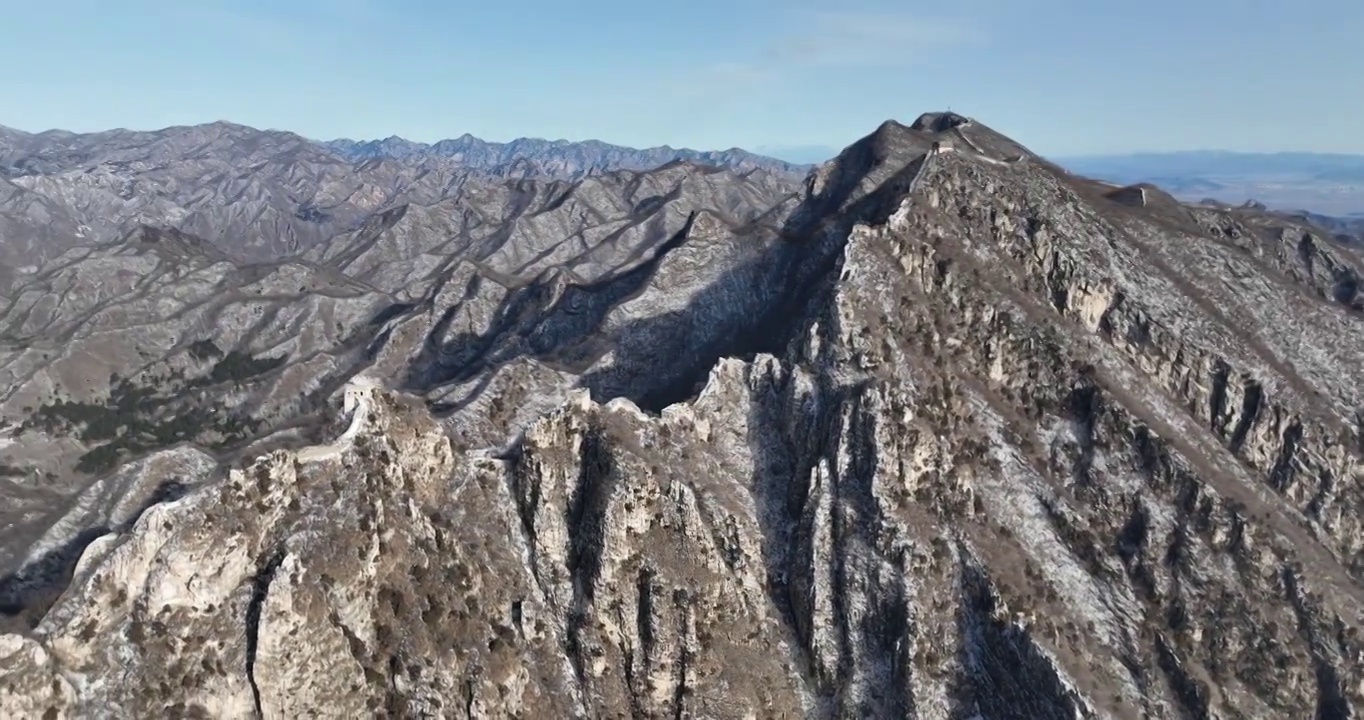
[(1065, 77)]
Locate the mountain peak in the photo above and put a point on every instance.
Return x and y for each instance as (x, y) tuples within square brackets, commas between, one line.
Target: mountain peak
[(947, 433), (940, 121)]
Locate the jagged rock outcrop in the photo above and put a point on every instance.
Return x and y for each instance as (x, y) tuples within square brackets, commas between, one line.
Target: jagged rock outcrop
[(951, 434)]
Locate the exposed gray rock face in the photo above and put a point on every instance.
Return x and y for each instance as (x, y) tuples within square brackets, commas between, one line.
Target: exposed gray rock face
[(138, 345), (30, 223), (947, 433), (1348, 231)]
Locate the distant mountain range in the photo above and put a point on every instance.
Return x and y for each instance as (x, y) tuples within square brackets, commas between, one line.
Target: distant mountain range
[(813, 154), (555, 157), (26, 153), (1329, 184), (265, 194), (1210, 163)]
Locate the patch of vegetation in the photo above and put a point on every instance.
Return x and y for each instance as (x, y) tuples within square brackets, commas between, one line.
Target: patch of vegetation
[(102, 459), (137, 419), (239, 366), (308, 212), (204, 350), (196, 424), (235, 429), (127, 403)]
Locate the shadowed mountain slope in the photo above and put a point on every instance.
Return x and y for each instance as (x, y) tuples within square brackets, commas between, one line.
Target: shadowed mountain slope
[(943, 432)]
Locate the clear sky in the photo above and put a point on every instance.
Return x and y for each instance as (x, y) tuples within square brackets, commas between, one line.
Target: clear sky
[(1064, 77)]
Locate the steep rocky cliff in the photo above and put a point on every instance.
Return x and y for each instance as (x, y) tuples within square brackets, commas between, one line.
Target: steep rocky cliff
[(953, 434)]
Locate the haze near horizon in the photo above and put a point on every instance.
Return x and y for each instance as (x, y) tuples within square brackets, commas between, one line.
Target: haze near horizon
[(791, 80)]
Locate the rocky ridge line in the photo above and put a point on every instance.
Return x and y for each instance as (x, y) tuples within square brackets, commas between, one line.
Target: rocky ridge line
[(999, 458)]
